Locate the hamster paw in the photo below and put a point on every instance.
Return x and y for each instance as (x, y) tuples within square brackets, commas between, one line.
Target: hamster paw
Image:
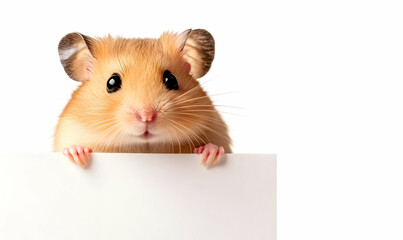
[(210, 154), (78, 154)]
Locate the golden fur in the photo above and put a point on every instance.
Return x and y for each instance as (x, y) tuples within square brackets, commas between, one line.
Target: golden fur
[(186, 118)]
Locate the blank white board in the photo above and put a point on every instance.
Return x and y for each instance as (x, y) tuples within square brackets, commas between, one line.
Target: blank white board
[(137, 196)]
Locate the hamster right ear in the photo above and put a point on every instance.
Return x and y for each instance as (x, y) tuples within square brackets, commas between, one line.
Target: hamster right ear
[(198, 47), (76, 57)]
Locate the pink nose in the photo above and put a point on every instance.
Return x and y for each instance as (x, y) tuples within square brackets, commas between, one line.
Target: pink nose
[(146, 116)]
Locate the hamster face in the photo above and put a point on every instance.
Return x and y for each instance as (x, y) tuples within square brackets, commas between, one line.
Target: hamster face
[(139, 95), (141, 90)]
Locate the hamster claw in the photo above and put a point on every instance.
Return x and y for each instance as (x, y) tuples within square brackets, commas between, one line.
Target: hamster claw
[(78, 155), (210, 153)]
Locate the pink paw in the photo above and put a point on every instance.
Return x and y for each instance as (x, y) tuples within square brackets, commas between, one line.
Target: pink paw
[(210, 154), (79, 155)]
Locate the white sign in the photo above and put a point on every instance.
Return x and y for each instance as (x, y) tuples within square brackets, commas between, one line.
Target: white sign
[(137, 196)]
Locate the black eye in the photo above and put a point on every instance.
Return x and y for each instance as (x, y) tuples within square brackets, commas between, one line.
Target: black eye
[(170, 80), (114, 83)]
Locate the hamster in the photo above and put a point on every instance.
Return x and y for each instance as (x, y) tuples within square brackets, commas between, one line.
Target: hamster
[(140, 96)]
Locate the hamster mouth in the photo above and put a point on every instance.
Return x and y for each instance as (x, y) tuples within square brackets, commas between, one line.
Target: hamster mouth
[(146, 135)]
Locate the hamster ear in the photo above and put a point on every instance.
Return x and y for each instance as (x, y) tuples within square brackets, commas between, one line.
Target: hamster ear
[(198, 49), (76, 57)]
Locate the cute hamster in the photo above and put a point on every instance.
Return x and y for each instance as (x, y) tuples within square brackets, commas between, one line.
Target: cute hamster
[(140, 96)]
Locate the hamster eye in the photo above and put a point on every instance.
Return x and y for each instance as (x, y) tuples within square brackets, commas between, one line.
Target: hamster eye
[(170, 81), (113, 84)]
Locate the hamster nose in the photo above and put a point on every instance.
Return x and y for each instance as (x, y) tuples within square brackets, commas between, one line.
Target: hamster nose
[(146, 116)]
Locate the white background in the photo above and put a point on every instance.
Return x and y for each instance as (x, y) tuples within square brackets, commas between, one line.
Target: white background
[(318, 82)]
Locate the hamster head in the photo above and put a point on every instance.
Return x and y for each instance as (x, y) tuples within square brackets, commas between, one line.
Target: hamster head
[(140, 90)]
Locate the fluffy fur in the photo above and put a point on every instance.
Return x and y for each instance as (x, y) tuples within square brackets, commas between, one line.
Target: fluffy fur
[(106, 122)]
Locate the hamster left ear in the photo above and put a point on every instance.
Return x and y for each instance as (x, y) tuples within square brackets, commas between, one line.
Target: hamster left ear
[(76, 57), (198, 50)]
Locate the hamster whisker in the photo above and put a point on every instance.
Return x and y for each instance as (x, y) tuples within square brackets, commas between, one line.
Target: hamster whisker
[(213, 111), (172, 145), (172, 141), (102, 137), (105, 125), (173, 133), (197, 98), (211, 130), (121, 141), (184, 133), (187, 92), (200, 129), (200, 85), (224, 93), (202, 132), (188, 100), (125, 138), (191, 121), (162, 105), (213, 105), (214, 131), (106, 133), (210, 119), (228, 106), (108, 121), (190, 106), (179, 142), (111, 138), (163, 144), (102, 127), (191, 132), (118, 137), (109, 126)]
